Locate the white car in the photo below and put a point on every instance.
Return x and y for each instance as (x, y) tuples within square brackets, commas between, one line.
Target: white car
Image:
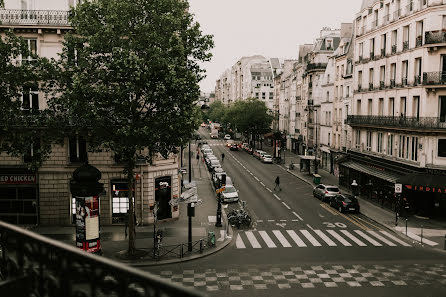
[(230, 194), (267, 158), (227, 137)]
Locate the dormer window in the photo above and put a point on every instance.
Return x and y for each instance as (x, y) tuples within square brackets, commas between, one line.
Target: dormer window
[(329, 43)]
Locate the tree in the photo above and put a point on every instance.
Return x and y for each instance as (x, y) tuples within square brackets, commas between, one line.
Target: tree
[(216, 111), (127, 79)]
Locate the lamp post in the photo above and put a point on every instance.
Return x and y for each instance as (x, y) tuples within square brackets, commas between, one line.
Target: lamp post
[(316, 142), (354, 187)]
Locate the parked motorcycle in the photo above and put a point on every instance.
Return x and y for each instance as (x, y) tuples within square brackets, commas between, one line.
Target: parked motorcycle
[(239, 218)]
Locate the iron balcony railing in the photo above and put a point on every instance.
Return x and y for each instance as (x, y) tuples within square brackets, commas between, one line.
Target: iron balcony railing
[(423, 123), (417, 80), (419, 41), (394, 49), (316, 66), (34, 17), (433, 37), (383, 52), (405, 45), (33, 265), (392, 83), (434, 78)]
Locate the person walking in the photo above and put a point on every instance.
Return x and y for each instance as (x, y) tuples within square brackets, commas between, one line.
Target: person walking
[(277, 181), (222, 157), (198, 157)]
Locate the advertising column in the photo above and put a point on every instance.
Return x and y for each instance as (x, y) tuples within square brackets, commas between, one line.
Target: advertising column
[(87, 224)]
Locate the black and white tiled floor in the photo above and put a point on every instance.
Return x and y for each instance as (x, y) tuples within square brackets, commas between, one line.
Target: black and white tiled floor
[(336, 276)]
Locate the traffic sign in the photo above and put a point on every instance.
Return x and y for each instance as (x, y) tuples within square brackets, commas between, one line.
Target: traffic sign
[(222, 189), (398, 188)]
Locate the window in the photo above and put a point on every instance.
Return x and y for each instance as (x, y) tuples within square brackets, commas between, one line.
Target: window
[(391, 107), (78, 149), (263, 95), (403, 151), (442, 147), (392, 74), (390, 144), (357, 139), (383, 44), (30, 100), (329, 136), (361, 50), (369, 141), (120, 200), (442, 109), (359, 80), (370, 107), (414, 150), (404, 72), (381, 107), (33, 151), (32, 48), (257, 95), (417, 78), (379, 143), (270, 96), (416, 107), (371, 72)]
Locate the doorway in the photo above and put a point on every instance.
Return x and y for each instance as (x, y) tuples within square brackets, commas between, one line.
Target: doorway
[(163, 194)]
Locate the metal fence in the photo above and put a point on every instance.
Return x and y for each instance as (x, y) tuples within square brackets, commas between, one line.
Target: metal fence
[(179, 250), (33, 265), (434, 78), (34, 17)]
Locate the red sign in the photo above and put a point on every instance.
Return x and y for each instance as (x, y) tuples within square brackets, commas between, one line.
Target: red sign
[(12, 179), (426, 189)]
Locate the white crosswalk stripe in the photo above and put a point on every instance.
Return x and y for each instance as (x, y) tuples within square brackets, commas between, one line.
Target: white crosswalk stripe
[(315, 238), (281, 238), (269, 242), (310, 237), (368, 238)]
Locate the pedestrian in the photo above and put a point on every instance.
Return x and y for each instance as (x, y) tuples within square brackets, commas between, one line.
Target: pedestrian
[(222, 157), (277, 181), (126, 221), (198, 157)]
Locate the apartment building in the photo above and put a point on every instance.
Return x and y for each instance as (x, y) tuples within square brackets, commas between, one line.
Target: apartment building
[(43, 196), (398, 116)]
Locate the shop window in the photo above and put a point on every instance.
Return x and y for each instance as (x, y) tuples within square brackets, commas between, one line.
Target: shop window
[(414, 149), (120, 200), (442, 148), (78, 149)]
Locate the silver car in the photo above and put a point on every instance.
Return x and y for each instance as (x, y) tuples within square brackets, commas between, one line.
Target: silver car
[(325, 192)]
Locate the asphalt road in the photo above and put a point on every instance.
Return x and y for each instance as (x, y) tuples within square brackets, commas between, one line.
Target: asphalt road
[(299, 246)]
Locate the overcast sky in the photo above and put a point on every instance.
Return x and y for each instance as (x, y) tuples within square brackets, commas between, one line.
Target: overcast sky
[(272, 28)]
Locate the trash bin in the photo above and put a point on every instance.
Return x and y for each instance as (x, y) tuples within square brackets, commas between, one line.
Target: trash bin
[(211, 238), (316, 179)]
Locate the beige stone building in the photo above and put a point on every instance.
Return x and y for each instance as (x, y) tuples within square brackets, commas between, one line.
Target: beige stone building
[(43, 197)]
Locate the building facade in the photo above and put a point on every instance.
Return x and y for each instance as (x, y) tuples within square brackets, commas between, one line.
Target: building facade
[(398, 116), (43, 196)]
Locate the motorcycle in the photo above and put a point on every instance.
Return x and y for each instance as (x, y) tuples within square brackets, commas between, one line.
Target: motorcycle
[(239, 217)]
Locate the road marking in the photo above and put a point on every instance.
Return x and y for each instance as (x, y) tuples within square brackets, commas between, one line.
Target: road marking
[(252, 239), (298, 216), (381, 238), (424, 240), (256, 178), (269, 242), (262, 183), (277, 197), (283, 220), (339, 237), (310, 238), (394, 238), (271, 220), (324, 206), (359, 224), (353, 238), (368, 238), (259, 221), (281, 238), (325, 238), (251, 173), (239, 242), (294, 220), (310, 227), (296, 238), (269, 190), (286, 205), (370, 223)]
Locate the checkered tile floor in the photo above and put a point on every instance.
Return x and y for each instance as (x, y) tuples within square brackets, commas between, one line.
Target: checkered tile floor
[(336, 276)]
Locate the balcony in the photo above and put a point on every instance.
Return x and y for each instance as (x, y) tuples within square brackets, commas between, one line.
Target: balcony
[(372, 56), (370, 86), (359, 88), (52, 18), (405, 45), (310, 102), (419, 41), (434, 37), (394, 49), (434, 79), (34, 265), (404, 81), (396, 14), (407, 123), (392, 83), (381, 85), (386, 19), (316, 66), (417, 80)]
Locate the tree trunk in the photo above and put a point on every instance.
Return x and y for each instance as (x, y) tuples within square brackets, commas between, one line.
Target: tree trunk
[(130, 179)]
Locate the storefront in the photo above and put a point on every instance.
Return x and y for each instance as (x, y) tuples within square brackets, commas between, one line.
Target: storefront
[(19, 197)]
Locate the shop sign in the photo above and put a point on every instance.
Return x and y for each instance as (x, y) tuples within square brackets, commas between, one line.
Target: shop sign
[(426, 189), (13, 179)]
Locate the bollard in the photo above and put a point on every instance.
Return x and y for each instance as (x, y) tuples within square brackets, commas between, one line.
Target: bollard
[(201, 246), (406, 226)]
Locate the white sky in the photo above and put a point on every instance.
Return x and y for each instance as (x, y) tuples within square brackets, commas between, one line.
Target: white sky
[(272, 28)]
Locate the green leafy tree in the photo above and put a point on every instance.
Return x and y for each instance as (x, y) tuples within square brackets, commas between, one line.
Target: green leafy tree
[(216, 111), (128, 78)]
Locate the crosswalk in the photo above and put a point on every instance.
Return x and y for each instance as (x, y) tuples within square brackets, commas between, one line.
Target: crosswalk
[(316, 238)]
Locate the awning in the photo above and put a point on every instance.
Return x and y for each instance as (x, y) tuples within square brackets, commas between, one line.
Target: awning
[(424, 180), (385, 175)]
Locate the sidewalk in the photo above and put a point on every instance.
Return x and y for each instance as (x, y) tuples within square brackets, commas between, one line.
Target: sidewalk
[(428, 232), (175, 231)]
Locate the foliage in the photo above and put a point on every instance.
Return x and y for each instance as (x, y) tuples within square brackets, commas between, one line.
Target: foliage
[(216, 111), (127, 79)]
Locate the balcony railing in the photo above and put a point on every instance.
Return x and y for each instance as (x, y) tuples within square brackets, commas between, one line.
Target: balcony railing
[(419, 41), (404, 81), (392, 83), (383, 52), (405, 45), (372, 56), (381, 85), (430, 123), (370, 86), (310, 103), (433, 37), (434, 78), (316, 66), (33, 265), (34, 17), (394, 49), (417, 80), (396, 14)]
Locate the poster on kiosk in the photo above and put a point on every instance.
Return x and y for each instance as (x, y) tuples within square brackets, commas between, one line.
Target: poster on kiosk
[(87, 224)]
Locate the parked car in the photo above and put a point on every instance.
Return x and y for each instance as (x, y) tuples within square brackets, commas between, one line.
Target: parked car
[(344, 203), (230, 194), (233, 147), (216, 176), (207, 151), (249, 150), (208, 159), (213, 164), (257, 153), (227, 137), (267, 158), (325, 192)]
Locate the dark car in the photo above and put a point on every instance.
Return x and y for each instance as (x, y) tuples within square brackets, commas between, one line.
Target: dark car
[(345, 203), (233, 147)]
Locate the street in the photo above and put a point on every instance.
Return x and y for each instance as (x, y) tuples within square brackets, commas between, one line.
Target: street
[(298, 244)]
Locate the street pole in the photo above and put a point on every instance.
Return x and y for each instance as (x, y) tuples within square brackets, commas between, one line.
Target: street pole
[(316, 149), (190, 165), (189, 233)]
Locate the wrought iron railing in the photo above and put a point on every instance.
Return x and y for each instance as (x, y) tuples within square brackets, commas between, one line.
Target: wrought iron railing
[(433, 37), (417, 80), (434, 78), (371, 87), (383, 52), (392, 83), (34, 17), (434, 123), (419, 41), (316, 66), (405, 45), (33, 265), (381, 85)]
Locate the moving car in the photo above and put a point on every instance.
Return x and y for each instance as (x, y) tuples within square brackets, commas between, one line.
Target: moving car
[(229, 142), (267, 158), (325, 192), (233, 147), (227, 137), (230, 194), (345, 202)]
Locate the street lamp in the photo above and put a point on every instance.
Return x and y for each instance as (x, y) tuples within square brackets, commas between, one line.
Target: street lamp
[(354, 187)]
